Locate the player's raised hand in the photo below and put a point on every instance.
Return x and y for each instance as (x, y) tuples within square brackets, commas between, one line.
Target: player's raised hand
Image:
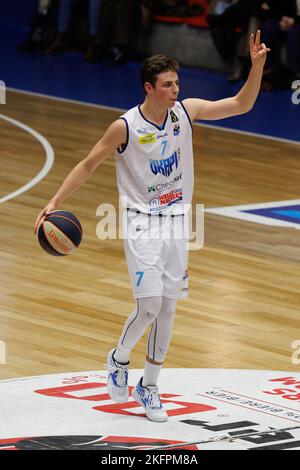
[(258, 50)]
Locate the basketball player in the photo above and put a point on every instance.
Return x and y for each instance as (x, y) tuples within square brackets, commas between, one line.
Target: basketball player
[(152, 144)]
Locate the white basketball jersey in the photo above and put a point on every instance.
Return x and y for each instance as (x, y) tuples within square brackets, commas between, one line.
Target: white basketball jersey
[(155, 170)]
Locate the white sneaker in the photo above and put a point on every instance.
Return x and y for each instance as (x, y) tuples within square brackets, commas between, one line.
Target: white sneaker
[(148, 397), (117, 380)]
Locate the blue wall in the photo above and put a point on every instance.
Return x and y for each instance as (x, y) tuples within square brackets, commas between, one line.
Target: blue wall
[(16, 13)]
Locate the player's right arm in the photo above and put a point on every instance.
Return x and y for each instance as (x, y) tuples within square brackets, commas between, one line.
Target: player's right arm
[(113, 138)]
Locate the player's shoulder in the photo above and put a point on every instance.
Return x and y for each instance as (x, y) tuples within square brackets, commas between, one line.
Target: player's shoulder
[(130, 114), (178, 108), (116, 132), (181, 110), (122, 125), (117, 126)]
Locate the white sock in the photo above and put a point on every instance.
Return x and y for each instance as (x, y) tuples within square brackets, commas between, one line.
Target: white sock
[(121, 354), (151, 374)]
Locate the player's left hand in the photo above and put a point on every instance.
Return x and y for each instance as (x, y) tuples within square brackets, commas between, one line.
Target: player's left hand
[(258, 50)]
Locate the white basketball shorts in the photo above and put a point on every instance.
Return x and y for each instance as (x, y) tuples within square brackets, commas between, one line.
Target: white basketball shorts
[(156, 250)]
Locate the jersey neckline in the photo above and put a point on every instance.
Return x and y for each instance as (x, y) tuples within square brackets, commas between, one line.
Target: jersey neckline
[(160, 128)]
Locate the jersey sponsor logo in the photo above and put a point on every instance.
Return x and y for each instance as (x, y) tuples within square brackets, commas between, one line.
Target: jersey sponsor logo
[(165, 200), (184, 290), (147, 139), (171, 197), (154, 203), (174, 118), (176, 129), (160, 136), (164, 186), (143, 130), (166, 166)]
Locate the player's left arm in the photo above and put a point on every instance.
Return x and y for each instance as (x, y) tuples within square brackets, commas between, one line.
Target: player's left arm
[(244, 100)]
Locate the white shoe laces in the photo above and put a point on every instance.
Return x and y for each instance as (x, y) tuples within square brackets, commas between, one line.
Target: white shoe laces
[(121, 373), (154, 400), (121, 377)]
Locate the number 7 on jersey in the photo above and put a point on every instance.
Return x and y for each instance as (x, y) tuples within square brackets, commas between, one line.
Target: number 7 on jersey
[(140, 274)]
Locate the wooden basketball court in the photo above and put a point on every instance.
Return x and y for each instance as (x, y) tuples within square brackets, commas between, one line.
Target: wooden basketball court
[(65, 314)]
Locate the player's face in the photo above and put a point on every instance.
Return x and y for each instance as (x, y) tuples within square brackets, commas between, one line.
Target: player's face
[(166, 89)]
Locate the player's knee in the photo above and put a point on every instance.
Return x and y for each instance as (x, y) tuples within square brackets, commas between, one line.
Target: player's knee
[(168, 310), (168, 314), (150, 308)]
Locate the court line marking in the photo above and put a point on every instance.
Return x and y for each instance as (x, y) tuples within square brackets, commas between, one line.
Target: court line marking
[(48, 163), (235, 213), (110, 108)]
